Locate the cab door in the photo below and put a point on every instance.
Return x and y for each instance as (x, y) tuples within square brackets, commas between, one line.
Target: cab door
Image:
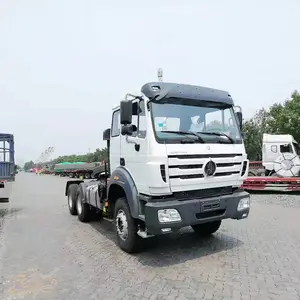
[(114, 154), (135, 155)]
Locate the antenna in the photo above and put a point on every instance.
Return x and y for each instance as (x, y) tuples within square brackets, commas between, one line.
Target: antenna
[(160, 74)]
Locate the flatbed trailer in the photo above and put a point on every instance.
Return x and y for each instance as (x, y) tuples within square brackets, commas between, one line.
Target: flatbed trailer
[(269, 183), (76, 170), (260, 182)]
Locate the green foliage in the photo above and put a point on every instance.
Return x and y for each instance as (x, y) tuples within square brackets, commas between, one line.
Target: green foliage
[(28, 165), (278, 119), (97, 156)]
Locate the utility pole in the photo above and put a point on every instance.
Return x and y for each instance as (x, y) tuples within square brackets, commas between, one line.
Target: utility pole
[(45, 156), (160, 74)]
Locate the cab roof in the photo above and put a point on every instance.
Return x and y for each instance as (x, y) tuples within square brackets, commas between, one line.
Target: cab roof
[(164, 90)]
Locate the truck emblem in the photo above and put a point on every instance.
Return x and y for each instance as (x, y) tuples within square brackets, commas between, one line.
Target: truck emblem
[(210, 168), (208, 147)]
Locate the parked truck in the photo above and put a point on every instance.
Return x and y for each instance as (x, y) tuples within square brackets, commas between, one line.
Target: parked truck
[(176, 159), (279, 169), (7, 165), (75, 169)]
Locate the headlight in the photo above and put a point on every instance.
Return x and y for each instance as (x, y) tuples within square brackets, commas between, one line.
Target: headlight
[(168, 215), (244, 204)]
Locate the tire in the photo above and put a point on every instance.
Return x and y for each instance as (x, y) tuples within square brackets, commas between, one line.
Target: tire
[(83, 209), (129, 243), (72, 196), (207, 229)]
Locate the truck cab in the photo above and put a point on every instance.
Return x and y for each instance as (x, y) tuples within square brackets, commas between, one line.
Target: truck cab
[(7, 165), (280, 155), (176, 159)]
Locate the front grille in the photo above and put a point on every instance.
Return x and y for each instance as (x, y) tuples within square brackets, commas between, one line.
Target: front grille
[(204, 193), (191, 166)]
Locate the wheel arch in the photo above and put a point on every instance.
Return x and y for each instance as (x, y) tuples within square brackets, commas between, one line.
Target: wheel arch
[(121, 184)]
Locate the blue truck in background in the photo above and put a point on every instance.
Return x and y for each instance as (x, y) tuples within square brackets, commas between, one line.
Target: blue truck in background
[(7, 165)]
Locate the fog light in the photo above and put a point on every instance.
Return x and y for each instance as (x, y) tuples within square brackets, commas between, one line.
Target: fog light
[(168, 215), (244, 204), (165, 230)]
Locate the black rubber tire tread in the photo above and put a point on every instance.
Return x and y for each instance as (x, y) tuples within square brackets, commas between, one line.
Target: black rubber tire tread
[(133, 242), (72, 190), (207, 229), (86, 213)]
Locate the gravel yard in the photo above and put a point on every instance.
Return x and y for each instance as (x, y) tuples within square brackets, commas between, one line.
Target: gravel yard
[(45, 253)]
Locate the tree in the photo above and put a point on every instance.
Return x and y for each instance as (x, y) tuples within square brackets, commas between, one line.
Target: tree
[(28, 165), (278, 119)]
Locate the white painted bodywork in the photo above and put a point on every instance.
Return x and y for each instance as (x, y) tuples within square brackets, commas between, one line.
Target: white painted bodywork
[(271, 149), (144, 166), (6, 191)]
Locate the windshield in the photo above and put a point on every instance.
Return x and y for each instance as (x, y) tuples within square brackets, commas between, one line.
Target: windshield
[(213, 124), (297, 148)]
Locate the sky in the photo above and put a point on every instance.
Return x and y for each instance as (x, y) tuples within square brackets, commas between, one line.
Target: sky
[(65, 63)]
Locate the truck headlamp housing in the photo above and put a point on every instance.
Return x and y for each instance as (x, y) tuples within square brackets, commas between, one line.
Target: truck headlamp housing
[(244, 204), (169, 215)]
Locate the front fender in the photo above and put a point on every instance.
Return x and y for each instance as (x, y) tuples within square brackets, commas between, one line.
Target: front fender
[(121, 177)]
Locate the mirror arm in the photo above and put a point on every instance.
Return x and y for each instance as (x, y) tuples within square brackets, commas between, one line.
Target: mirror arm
[(131, 140)]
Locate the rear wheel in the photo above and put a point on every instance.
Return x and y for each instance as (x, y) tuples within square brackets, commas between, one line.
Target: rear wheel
[(207, 229), (83, 209), (126, 227), (72, 196)]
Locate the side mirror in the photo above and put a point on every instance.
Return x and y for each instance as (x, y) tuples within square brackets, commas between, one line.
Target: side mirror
[(126, 112), (239, 116), (128, 129), (106, 134)]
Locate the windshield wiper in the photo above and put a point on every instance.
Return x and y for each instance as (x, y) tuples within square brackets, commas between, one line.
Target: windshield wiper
[(219, 134), (185, 133)]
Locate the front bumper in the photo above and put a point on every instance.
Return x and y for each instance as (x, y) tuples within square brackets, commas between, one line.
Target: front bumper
[(195, 211)]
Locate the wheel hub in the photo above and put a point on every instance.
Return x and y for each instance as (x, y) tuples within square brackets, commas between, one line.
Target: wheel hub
[(122, 225), (287, 164)]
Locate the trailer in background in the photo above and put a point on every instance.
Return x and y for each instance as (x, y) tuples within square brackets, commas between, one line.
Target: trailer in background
[(279, 169), (76, 169), (7, 165)]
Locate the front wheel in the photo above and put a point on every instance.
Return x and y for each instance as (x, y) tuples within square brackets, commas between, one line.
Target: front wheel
[(126, 227), (207, 229)]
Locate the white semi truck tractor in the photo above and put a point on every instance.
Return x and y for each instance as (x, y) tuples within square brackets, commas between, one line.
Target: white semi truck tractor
[(176, 159)]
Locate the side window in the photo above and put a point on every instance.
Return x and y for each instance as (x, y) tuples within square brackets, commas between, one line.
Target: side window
[(286, 148), (134, 116), (115, 126), (274, 148), (142, 125)]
